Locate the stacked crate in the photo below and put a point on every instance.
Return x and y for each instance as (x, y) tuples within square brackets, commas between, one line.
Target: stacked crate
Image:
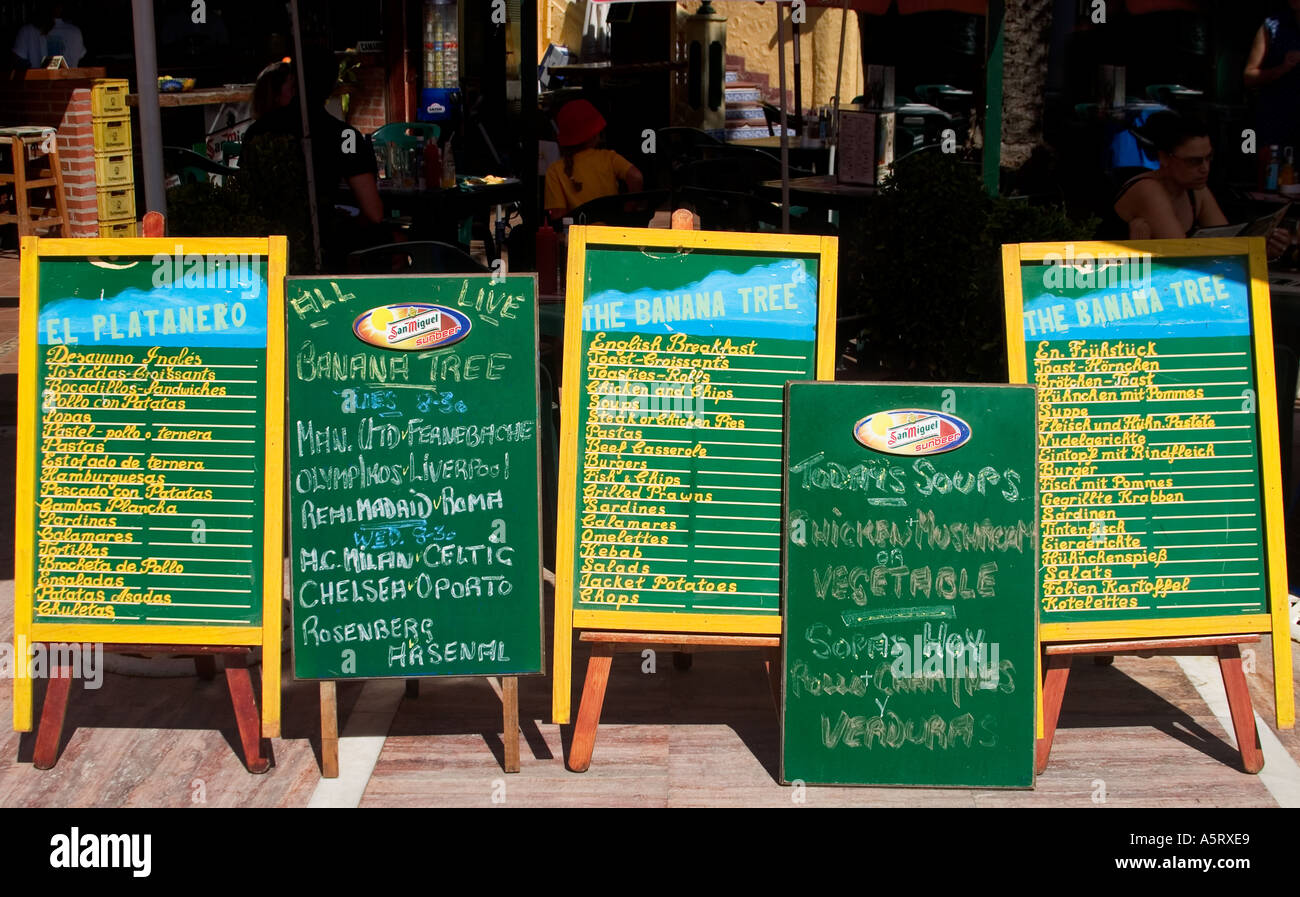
[(114, 170)]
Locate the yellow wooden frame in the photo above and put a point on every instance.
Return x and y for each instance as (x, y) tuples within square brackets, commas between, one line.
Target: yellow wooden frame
[(267, 635), (1275, 622), (566, 616)]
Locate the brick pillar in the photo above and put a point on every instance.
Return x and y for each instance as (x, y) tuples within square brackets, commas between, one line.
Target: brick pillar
[(65, 106)]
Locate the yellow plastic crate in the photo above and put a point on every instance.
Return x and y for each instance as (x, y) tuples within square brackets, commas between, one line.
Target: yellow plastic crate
[(116, 202), (126, 227), (108, 96), (112, 133), (113, 169)]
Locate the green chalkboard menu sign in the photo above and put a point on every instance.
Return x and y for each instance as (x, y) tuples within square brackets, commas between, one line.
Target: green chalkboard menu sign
[(413, 476), (1154, 466), (148, 495), (152, 406), (910, 546), (678, 346)]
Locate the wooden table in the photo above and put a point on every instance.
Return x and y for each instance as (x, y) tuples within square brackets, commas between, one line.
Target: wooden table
[(205, 96), (821, 192)]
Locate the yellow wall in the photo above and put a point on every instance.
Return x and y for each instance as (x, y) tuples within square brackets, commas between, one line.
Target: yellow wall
[(751, 32)]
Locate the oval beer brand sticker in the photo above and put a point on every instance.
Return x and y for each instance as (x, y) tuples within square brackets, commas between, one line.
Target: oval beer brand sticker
[(412, 326), (911, 432)]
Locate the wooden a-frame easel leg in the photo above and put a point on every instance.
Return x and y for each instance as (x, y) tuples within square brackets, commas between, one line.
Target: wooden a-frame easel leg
[(593, 698), (510, 721), (53, 712), (1239, 704), (1056, 671), (247, 718), (329, 730)]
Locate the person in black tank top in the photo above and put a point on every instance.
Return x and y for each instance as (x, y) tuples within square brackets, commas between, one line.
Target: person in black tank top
[(1172, 201)]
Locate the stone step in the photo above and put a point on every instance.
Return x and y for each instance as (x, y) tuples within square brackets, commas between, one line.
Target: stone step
[(743, 93), (747, 111), (748, 132)]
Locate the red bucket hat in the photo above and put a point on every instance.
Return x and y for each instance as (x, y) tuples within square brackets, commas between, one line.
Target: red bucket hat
[(579, 121)]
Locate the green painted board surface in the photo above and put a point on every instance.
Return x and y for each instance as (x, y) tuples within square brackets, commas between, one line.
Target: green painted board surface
[(413, 476), (1149, 444), (151, 417), (684, 359), (909, 586)]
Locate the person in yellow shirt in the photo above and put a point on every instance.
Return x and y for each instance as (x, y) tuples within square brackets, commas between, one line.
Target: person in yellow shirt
[(585, 172)]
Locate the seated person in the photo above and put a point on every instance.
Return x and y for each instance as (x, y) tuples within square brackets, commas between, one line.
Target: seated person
[(1173, 201), (338, 152), (585, 172)]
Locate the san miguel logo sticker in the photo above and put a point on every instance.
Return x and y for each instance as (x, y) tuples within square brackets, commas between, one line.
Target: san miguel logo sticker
[(912, 432), (411, 326)]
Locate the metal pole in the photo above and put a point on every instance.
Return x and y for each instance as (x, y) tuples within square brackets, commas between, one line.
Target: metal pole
[(839, 73), (146, 76), (798, 74), (785, 143), (296, 24)]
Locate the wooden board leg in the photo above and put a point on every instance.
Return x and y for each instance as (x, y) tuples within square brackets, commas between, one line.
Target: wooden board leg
[(53, 711), (1056, 670), (205, 665), (247, 718), (329, 730), (773, 664), (1243, 714), (510, 724), (593, 698), (413, 688)]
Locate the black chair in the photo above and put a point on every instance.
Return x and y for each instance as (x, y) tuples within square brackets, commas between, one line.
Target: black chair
[(417, 257), (730, 210), (620, 209), (191, 167), (677, 147), (736, 168), (772, 114)]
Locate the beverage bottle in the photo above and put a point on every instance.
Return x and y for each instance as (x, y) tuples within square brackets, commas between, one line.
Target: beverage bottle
[(432, 162), (448, 167), (417, 162), (1270, 178), (1286, 175)]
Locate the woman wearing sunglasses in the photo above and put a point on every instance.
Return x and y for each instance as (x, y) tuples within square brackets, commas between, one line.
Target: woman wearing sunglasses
[(1175, 200)]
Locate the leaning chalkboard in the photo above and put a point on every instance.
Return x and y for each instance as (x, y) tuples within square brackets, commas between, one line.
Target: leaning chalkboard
[(413, 476), (1162, 512), (148, 503), (678, 345), (910, 556)]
